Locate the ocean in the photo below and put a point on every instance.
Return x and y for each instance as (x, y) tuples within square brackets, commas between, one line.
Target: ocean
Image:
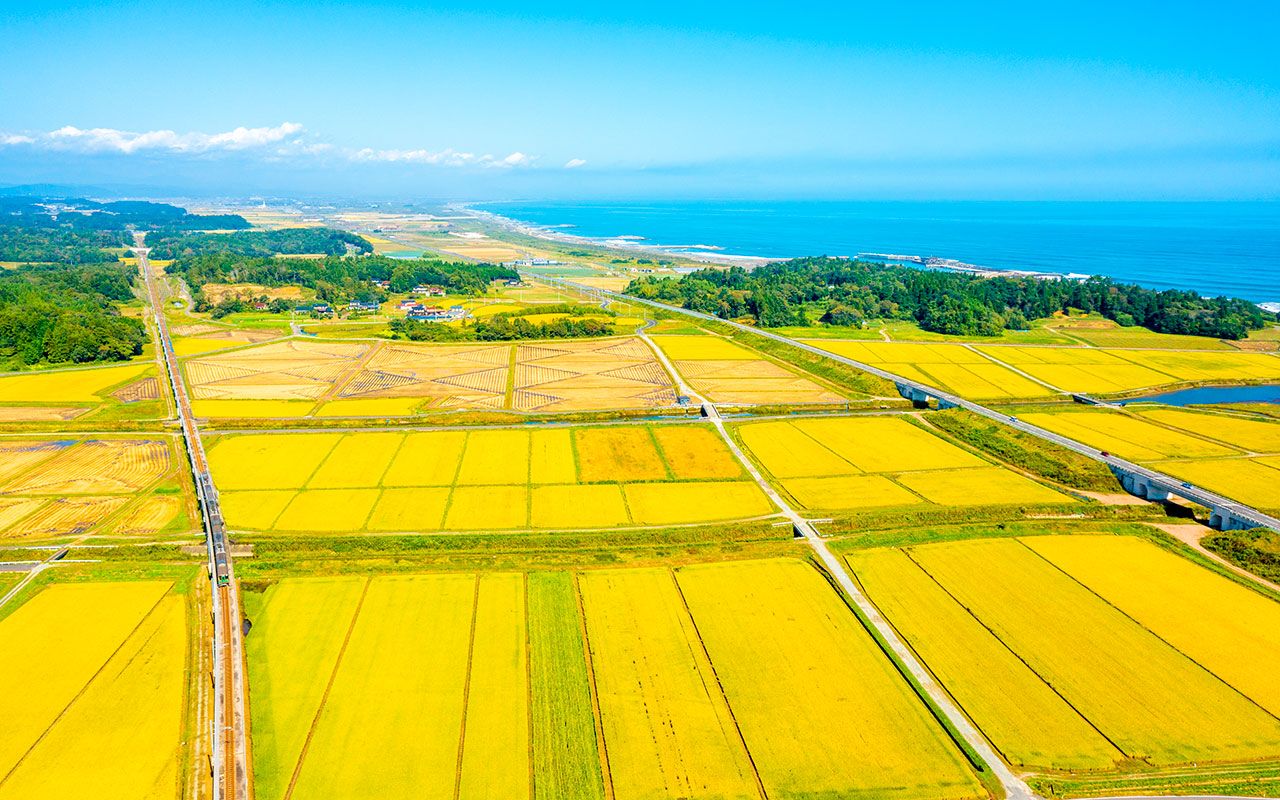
[(1225, 248)]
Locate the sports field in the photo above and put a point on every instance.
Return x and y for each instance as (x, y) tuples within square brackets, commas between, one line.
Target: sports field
[(624, 683), (95, 708), (500, 479), (1075, 652), (66, 487), (951, 367), (866, 462), (725, 372)]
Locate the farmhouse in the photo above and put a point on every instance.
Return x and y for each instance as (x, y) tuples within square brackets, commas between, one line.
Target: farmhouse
[(436, 313), (429, 291), (358, 305)]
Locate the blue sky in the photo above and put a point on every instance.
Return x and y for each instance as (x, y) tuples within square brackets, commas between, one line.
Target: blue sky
[(951, 100)]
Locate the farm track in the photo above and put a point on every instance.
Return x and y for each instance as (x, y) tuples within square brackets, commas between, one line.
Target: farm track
[(229, 748)]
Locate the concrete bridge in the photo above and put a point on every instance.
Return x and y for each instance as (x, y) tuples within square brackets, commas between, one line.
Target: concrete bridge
[(1225, 514)]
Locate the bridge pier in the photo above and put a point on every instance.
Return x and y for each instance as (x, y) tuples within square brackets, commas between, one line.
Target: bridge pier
[(920, 398), (1223, 520)]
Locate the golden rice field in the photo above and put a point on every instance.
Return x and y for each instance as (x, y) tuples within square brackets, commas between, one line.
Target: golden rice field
[(725, 372), (1079, 369), (1252, 481), (1126, 435), (66, 487), (64, 394), (955, 368), (1124, 634), (638, 683), (1253, 435), (111, 692), (838, 463), (300, 377), (483, 479)]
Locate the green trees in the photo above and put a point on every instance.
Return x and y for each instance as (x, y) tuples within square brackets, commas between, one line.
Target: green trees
[(171, 244), (844, 292), (61, 314), (501, 328)]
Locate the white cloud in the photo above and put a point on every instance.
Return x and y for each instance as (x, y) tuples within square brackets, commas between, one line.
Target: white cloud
[(574, 163), (286, 140), (448, 158), (112, 140)]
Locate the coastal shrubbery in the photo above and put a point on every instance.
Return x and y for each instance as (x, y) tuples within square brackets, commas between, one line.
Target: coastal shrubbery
[(170, 244), (842, 292)]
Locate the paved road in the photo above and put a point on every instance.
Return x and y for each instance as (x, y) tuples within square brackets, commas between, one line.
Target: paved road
[(1193, 493), (229, 750)]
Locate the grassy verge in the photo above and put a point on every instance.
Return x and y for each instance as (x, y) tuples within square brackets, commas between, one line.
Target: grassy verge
[(447, 418), (876, 525), (275, 557), (1028, 452), (1257, 551)]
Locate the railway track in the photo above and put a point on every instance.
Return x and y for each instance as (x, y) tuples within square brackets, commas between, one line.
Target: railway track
[(229, 746)]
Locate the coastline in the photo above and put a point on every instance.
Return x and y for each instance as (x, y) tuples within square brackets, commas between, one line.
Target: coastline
[(712, 254)]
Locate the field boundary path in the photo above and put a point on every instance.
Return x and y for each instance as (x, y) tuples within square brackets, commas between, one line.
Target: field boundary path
[(229, 751), (1146, 482)]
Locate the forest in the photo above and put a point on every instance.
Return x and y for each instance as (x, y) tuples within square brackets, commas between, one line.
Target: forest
[(170, 244), (842, 292), (58, 314), (336, 279), (91, 215)]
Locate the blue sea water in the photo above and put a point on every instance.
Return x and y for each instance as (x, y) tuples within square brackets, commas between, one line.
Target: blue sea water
[(1221, 248)]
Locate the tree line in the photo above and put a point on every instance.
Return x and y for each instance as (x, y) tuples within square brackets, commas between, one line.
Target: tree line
[(58, 314), (848, 293), (168, 244), (336, 279), (500, 328)]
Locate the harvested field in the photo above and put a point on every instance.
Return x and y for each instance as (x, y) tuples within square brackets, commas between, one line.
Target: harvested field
[(465, 376), (149, 515), (242, 409), (39, 413), (726, 372), (13, 509), (66, 516), (597, 374), (1125, 435), (145, 389), (95, 467), (217, 292), (109, 687), (1029, 724), (295, 369), (950, 367), (1149, 699), (823, 712)]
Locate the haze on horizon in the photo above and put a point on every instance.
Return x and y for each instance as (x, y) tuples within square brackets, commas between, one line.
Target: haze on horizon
[(1001, 100)]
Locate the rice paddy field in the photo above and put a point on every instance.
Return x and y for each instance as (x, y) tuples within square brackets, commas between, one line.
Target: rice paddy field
[(97, 706), (956, 368), (725, 372), (1087, 369), (622, 683), (1083, 653), (845, 463), (301, 377), (59, 488), (483, 479), (65, 394)]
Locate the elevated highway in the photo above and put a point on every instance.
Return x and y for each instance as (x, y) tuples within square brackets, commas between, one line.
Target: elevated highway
[(1225, 513)]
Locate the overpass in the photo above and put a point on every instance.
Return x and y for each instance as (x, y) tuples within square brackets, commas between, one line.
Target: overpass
[(1225, 513)]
